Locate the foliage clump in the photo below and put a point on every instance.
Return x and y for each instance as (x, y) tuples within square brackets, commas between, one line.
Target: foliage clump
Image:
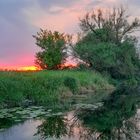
[(53, 45), (71, 83), (107, 45)]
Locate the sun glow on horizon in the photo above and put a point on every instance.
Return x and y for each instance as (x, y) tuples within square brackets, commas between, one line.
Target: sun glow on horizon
[(34, 68), (28, 68), (20, 68)]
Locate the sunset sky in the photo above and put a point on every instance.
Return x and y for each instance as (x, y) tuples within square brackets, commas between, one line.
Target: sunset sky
[(20, 19)]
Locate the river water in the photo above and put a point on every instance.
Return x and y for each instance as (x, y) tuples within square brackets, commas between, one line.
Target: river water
[(82, 121), (28, 129)]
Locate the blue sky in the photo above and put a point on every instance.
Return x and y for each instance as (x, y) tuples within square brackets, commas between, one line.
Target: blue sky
[(20, 19)]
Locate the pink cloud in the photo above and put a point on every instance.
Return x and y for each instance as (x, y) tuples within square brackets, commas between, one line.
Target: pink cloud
[(18, 46), (64, 19)]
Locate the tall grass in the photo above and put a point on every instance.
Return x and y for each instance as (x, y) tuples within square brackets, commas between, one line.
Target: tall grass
[(46, 87)]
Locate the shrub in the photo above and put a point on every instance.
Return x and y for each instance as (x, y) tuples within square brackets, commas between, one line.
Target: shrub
[(82, 67), (71, 83), (11, 92)]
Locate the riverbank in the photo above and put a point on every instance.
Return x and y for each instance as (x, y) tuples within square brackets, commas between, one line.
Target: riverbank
[(47, 88)]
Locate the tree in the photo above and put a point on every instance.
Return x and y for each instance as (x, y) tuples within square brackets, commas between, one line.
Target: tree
[(53, 45), (113, 26), (107, 45)]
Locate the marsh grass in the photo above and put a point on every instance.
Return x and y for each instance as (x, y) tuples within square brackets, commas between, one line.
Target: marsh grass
[(46, 87)]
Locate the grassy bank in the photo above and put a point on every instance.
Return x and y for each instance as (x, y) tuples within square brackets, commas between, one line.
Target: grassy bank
[(47, 87)]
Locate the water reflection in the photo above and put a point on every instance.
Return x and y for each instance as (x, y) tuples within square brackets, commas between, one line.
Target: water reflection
[(21, 131), (54, 126), (113, 121), (117, 119), (71, 127), (5, 123)]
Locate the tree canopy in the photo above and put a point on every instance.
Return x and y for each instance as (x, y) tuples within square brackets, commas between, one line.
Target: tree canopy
[(53, 45), (112, 25), (107, 45)]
